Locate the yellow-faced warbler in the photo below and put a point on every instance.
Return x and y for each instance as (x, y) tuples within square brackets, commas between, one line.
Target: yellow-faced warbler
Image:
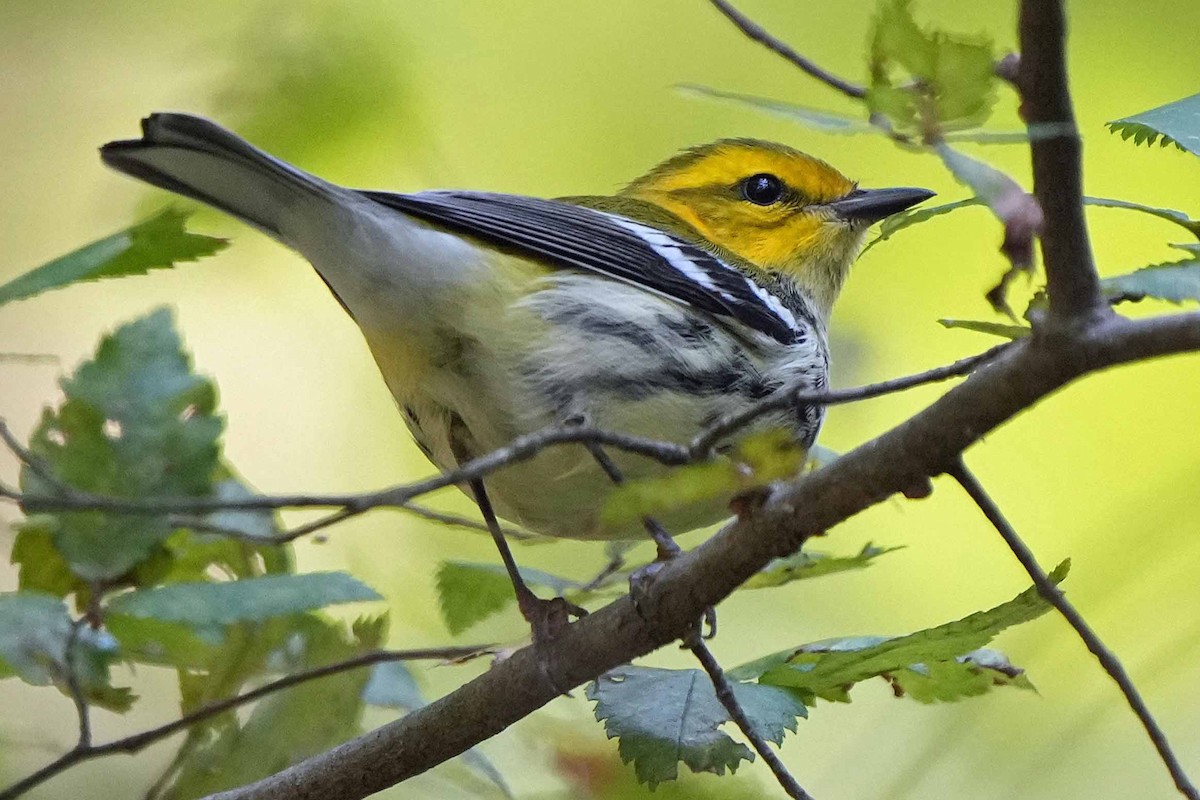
[(703, 286)]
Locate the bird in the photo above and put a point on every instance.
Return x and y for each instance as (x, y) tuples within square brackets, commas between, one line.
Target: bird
[(701, 287)]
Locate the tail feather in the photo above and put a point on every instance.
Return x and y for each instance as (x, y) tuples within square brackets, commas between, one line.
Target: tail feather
[(199, 159)]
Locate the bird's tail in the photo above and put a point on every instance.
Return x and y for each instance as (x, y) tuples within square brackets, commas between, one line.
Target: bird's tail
[(199, 159)]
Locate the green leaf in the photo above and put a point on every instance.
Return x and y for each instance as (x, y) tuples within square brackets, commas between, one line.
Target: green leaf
[(828, 669), (34, 632), (947, 82), (469, 592), (915, 216), (814, 118), (208, 604), (138, 423), (1178, 123), (1175, 282), (804, 564), (662, 717), (157, 243), (968, 675), (170, 644), (994, 328), (41, 568), (757, 460)]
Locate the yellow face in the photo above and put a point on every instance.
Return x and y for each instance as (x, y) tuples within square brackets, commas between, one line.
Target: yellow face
[(764, 202)]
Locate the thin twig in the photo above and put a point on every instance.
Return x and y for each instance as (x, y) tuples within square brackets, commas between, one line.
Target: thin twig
[(724, 690), (520, 449), (782, 401), (82, 710), (1053, 595), (755, 32), (138, 741)]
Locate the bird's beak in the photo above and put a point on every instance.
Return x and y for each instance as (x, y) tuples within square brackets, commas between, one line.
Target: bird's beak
[(865, 206)]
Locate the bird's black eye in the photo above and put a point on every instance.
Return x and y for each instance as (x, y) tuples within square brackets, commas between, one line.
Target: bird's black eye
[(762, 189)]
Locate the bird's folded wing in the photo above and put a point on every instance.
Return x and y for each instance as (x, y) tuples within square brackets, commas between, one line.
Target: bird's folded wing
[(577, 237)]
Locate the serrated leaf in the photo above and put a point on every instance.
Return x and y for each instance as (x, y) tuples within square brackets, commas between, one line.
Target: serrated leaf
[(804, 565), (814, 118), (137, 422), (1175, 282), (1178, 123), (994, 328), (469, 592), (829, 668), (34, 633), (664, 717), (208, 604), (157, 243)]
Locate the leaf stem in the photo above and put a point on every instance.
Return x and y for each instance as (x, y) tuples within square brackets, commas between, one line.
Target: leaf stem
[(757, 33)]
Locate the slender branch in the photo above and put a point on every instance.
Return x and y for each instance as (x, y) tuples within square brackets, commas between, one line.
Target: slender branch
[(1071, 279), (82, 710), (520, 449), (736, 421), (613, 635), (755, 32), (725, 694), (85, 751), (202, 525), (1053, 595)]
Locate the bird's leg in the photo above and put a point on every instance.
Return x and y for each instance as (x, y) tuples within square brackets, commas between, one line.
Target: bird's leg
[(546, 618), (668, 549)]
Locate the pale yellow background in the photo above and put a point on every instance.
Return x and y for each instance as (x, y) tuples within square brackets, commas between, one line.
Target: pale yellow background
[(554, 97)]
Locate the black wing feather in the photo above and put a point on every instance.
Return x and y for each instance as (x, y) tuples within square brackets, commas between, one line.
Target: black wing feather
[(583, 238)]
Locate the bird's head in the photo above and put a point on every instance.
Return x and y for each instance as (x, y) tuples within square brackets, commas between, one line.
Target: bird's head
[(782, 211)]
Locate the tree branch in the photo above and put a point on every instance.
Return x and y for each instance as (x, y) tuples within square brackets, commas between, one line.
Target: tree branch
[(757, 33), (925, 445), (1055, 597), (1071, 278)]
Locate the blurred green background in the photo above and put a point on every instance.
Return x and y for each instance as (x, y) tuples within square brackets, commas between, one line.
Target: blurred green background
[(547, 98)]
